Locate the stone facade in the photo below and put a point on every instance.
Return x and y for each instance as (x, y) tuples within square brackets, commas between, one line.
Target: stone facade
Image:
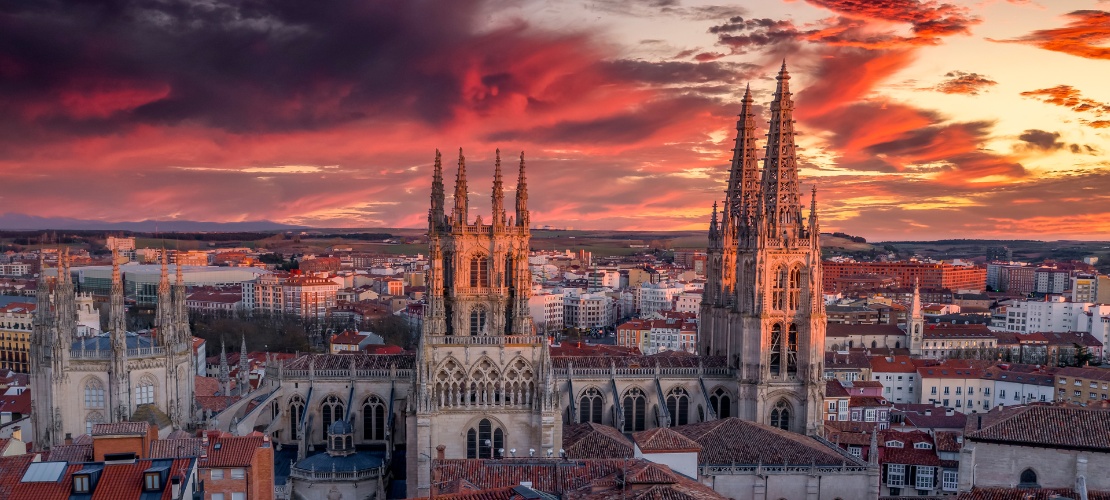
[(111, 377), (763, 309)]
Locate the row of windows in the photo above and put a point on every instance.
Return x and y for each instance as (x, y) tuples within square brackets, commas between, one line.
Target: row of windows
[(332, 409)]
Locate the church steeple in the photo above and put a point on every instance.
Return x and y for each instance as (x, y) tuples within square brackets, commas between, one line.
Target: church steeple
[(782, 210), (461, 214), (435, 214), (118, 377), (498, 203), (743, 181), (117, 315), (522, 217)]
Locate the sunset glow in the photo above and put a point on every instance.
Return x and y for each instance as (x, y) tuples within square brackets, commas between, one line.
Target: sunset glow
[(919, 119)]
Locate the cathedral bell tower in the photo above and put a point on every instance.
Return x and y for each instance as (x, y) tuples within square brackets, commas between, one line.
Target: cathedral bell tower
[(484, 382), (764, 310)]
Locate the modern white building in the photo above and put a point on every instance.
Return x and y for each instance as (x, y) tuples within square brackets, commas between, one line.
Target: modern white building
[(546, 309), (588, 310), (656, 297), (140, 281), (1053, 314)]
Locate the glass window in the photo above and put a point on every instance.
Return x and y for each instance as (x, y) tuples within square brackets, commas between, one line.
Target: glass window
[(924, 479), (217, 474), (238, 473), (895, 475)]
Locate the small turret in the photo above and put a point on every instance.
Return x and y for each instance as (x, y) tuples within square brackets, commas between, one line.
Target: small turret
[(225, 371), (435, 214), (244, 368)]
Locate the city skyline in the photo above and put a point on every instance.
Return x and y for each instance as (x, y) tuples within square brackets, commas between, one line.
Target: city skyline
[(917, 121)]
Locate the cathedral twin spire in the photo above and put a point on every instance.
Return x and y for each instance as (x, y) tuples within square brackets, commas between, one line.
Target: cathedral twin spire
[(460, 215), (765, 200)]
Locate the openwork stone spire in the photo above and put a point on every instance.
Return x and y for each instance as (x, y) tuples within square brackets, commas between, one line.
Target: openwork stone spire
[(461, 214), (117, 319), (743, 181), (781, 207), (522, 217), (163, 318), (498, 203), (435, 214)]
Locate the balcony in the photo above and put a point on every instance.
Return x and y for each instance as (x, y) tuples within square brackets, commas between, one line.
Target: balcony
[(445, 340)]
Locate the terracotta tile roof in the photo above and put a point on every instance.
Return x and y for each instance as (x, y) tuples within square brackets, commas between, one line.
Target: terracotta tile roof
[(120, 428), (77, 453), (834, 389), (125, 480), (233, 451), (732, 440), (664, 360), (893, 364), (45, 490), (867, 401), (908, 454), (504, 493), (1050, 426), (343, 361), (1084, 372), (948, 441), (1028, 494), (590, 440), (176, 448), (11, 471), (662, 439), (215, 403), (851, 360), (846, 330), (581, 349), (927, 416)]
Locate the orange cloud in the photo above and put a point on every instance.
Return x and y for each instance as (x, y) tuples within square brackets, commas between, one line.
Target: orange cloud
[(1081, 37), (960, 82), (1069, 97)]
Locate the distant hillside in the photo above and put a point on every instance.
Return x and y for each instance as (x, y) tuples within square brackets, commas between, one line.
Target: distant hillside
[(24, 222)]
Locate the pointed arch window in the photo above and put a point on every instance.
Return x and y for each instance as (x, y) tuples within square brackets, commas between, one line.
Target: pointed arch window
[(144, 393), (479, 271), (91, 419), (1028, 479), (331, 410), (792, 349), (678, 405), (478, 319), (778, 289), (780, 415), (484, 441), (590, 406), (94, 394), (795, 291), (721, 403), (776, 349), (634, 406), (373, 419), (296, 413)]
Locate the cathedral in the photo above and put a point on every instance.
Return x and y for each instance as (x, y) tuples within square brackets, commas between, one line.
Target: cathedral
[(115, 376), (483, 384), (762, 309)]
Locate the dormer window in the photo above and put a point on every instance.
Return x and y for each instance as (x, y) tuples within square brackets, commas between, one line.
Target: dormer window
[(922, 446), (893, 444), (152, 481), (81, 483)]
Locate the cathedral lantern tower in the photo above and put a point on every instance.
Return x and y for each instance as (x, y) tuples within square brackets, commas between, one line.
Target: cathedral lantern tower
[(764, 309), (484, 379)]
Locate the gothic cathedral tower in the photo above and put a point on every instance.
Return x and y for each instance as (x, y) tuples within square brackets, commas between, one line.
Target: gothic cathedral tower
[(485, 384), (763, 308)]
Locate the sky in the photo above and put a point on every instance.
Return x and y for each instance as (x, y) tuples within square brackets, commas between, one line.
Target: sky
[(917, 119)]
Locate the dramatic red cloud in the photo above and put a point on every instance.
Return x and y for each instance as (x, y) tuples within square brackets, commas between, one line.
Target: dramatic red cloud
[(929, 20), (1081, 37), (960, 82), (1071, 98)]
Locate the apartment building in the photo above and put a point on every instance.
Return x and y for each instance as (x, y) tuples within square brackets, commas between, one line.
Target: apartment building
[(928, 274), (588, 310), (1082, 385), (546, 309)]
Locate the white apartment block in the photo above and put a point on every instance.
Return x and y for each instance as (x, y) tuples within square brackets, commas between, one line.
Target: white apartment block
[(546, 309), (656, 297), (1055, 314), (1049, 280), (599, 279), (1084, 288), (121, 244), (586, 310), (688, 302)]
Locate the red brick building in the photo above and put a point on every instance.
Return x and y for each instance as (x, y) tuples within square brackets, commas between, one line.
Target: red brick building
[(929, 275)]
